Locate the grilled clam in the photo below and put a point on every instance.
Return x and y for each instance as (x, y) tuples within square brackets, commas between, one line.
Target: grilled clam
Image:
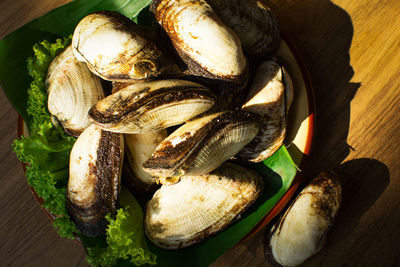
[(198, 207), (94, 179), (138, 148), (116, 49), (201, 145), (208, 47), (270, 95), (72, 90), (254, 23), (151, 106), (301, 231)]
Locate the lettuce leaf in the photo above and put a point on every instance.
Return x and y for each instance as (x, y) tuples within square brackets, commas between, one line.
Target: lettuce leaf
[(46, 154), (46, 150), (44, 53), (125, 237)]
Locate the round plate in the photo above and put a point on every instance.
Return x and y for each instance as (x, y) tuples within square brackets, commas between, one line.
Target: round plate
[(301, 124), (300, 132)]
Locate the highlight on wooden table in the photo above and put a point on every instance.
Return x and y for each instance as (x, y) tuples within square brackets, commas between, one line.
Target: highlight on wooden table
[(342, 119)]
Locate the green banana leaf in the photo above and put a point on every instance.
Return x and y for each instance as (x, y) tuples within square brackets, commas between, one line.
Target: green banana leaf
[(278, 171)]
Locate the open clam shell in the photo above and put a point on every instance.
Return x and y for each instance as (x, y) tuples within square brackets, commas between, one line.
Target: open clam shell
[(72, 90), (94, 179), (116, 49), (270, 95), (208, 47), (301, 231), (201, 145), (151, 106), (198, 207), (254, 23)]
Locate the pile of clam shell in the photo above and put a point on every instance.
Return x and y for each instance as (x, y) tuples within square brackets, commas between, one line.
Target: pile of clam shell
[(206, 69)]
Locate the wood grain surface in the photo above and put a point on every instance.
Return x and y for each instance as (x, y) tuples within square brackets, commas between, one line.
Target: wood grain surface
[(352, 50)]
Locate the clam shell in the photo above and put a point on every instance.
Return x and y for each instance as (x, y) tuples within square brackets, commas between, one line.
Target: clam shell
[(72, 90), (198, 207), (94, 179), (254, 23), (208, 47), (116, 49), (270, 95), (301, 231), (201, 145), (151, 106), (138, 148)]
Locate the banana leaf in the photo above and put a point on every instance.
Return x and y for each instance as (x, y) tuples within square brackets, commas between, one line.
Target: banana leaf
[(278, 171)]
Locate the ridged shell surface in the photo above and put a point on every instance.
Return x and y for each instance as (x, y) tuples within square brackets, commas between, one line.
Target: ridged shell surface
[(301, 231), (72, 90), (151, 106), (270, 96), (254, 23), (116, 49), (198, 207), (200, 146), (94, 179), (207, 46)]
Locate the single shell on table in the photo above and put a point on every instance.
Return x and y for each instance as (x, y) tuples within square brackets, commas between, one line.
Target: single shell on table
[(94, 179), (270, 95), (208, 47), (72, 90), (151, 106), (116, 49), (198, 207), (138, 148), (202, 145), (301, 231), (254, 23)]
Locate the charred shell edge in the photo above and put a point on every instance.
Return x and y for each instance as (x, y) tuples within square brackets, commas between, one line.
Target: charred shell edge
[(119, 19), (200, 139), (194, 71), (318, 181), (107, 201), (154, 99)]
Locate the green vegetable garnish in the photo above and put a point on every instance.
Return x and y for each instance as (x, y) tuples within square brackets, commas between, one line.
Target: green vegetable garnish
[(46, 151), (46, 154), (125, 237)]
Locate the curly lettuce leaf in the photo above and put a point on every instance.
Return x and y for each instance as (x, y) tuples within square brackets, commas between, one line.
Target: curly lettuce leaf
[(44, 53), (46, 150), (125, 238)]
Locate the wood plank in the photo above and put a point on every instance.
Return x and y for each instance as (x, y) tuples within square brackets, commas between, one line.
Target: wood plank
[(351, 49)]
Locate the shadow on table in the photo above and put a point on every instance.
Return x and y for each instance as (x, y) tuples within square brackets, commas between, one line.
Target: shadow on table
[(363, 182), (323, 33)]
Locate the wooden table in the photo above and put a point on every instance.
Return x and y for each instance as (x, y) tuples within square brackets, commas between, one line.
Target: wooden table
[(352, 50)]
